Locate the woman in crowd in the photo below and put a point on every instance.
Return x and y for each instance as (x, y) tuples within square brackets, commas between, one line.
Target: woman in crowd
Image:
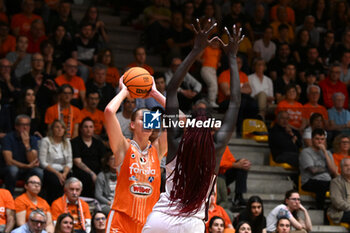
[(243, 227), (47, 49), (98, 222), (283, 225), (301, 45), (55, 155), (216, 225), (106, 182), (341, 149), (20, 59), (64, 224), (254, 214), (106, 57)]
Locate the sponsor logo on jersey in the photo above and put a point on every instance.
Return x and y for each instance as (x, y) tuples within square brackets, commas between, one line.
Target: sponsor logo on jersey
[(132, 156), (135, 169), (143, 160), (151, 179), (141, 189), (133, 178)]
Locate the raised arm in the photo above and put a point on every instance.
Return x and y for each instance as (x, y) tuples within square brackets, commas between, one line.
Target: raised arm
[(223, 135), (172, 103)]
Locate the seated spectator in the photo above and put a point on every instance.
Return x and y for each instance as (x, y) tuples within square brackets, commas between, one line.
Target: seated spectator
[(339, 117), (70, 77), (283, 57), (64, 224), (189, 91), (341, 149), (7, 211), (293, 107), (38, 80), (20, 58), (106, 182), (36, 36), (99, 220), (63, 17), (8, 42), (20, 152), (284, 141), (320, 10), (216, 224), (9, 85), (312, 106), (106, 58), (327, 49), (254, 214), (243, 227), (339, 18), (309, 25), (301, 45), (290, 210), (30, 200), (331, 85), (64, 111), (98, 82), (288, 78), (311, 63), (159, 79), (282, 20), (310, 79), (71, 203), (5, 119), (124, 117), (36, 223), (85, 50), (55, 155), (87, 154), (47, 50), (259, 22), (264, 48), (317, 167), (289, 10), (316, 121), (262, 87), (339, 209), (345, 70), (99, 30), (283, 225), (283, 35), (140, 60), (235, 170), (20, 23), (27, 105)]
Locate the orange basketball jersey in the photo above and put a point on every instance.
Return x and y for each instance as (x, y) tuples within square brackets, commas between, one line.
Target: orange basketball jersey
[(138, 186)]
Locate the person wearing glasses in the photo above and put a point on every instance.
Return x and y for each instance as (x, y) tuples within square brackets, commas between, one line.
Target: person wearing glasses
[(36, 223), (29, 201), (98, 222), (290, 209), (20, 152)]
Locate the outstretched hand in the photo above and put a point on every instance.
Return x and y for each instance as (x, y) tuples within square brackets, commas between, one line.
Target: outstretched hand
[(201, 39), (233, 41)]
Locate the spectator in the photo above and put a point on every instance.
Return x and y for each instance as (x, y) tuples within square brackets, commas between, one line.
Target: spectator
[(317, 167), (262, 87), (42, 84), (282, 19), (98, 82), (310, 79), (312, 106), (5, 119), (64, 111), (7, 211), (71, 203), (235, 170), (243, 227), (159, 78), (339, 117), (55, 155), (92, 100), (320, 10), (317, 121), (345, 70), (179, 39), (124, 117), (64, 224), (309, 25), (258, 21), (47, 49), (30, 201), (284, 141), (288, 78), (339, 17), (20, 58), (63, 17), (264, 48), (36, 36), (85, 50), (20, 23), (216, 225), (301, 45), (311, 63), (140, 60), (8, 84), (87, 155), (70, 77), (331, 85), (283, 35), (327, 49), (36, 223), (289, 10), (189, 92), (106, 182), (99, 220), (283, 57), (8, 42), (339, 209), (254, 214), (341, 150), (106, 58), (283, 225), (99, 30), (20, 151), (290, 209)]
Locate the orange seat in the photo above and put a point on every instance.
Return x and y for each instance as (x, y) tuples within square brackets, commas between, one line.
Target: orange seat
[(284, 165), (255, 129)]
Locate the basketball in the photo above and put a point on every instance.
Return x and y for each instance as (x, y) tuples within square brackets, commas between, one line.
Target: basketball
[(138, 81)]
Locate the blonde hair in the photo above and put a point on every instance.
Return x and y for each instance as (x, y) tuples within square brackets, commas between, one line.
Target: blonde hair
[(50, 132)]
